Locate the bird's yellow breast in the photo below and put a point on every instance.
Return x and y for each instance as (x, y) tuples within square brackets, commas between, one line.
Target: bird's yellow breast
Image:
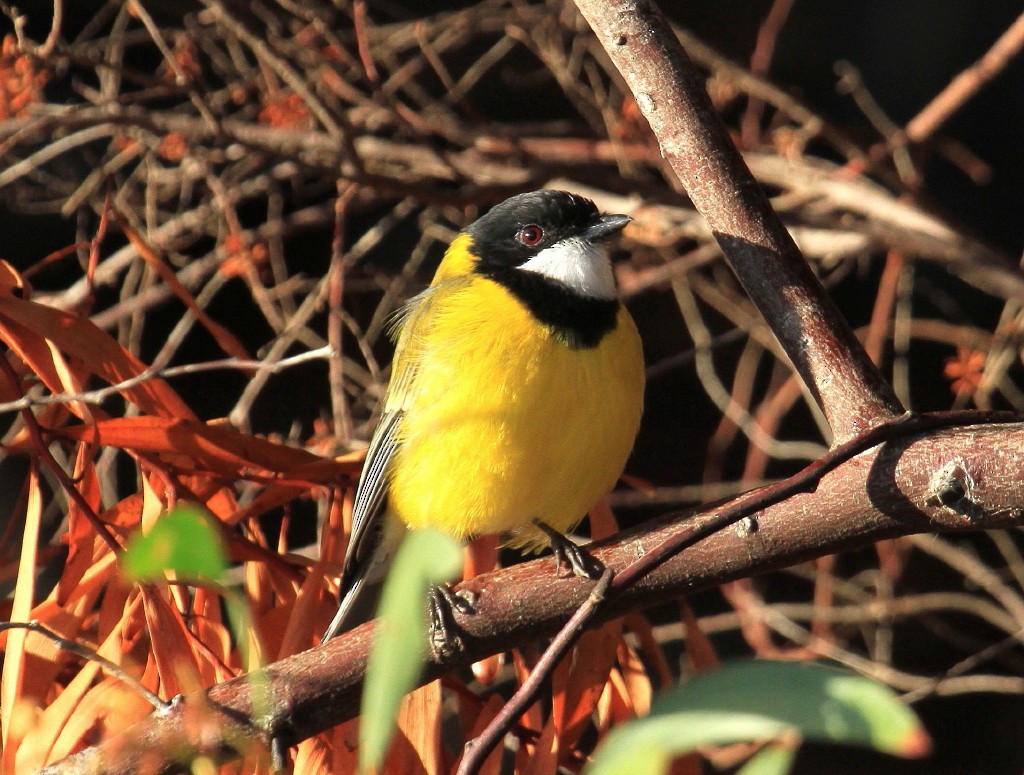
[(505, 424)]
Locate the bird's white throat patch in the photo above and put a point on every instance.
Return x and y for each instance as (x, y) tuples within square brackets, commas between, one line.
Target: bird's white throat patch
[(579, 264)]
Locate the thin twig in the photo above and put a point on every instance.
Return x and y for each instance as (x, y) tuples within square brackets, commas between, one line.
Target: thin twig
[(967, 84), (101, 394), (479, 748), (43, 450), (89, 655), (760, 60), (335, 292), (53, 37)]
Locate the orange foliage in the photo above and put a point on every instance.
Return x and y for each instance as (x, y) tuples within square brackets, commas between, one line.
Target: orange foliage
[(964, 370), (173, 147), (241, 258), (285, 110), (174, 638), (21, 80), (186, 62), (122, 142), (171, 639)]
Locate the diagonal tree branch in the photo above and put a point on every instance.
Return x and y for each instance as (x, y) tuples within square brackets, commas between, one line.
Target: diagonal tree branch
[(669, 91)]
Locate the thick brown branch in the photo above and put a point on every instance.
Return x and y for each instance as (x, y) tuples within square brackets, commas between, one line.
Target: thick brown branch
[(670, 93), (961, 479)]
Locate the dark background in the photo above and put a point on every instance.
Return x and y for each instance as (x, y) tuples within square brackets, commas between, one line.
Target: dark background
[(906, 52)]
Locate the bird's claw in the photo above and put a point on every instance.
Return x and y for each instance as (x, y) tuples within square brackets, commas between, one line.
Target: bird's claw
[(571, 555), (445, 641)]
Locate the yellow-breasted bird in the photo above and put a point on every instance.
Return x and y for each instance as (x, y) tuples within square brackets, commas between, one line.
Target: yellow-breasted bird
[(515, 394)]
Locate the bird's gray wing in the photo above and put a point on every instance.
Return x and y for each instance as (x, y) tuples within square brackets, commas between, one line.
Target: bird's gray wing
[(371, 492), (366, 559), (375, 533)]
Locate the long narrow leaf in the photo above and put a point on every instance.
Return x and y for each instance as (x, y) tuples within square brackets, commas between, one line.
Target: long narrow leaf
[(425, 558)]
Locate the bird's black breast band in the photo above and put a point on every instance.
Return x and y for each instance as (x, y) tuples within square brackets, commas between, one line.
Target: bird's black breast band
[(579, 321)]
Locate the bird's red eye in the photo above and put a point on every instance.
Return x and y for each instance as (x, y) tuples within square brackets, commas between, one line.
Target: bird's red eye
[(530, 235)]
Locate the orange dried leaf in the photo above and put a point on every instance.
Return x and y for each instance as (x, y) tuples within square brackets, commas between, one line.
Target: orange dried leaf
[(81, 537), (42, 663), (27, 326), (636, 684), (11, 281), (313, 757), (66, 619), (337, 527), (32, 349), (192, 445), (224, 338), (19, 728), (126, 514), (614, 707), (210, 629), (221, 504), (271, 620), (343, 745), (484, 716), (698, 647), (533, 718), (121, 611), (418, 747), (176, 660), (578, 682), (13, 697), (481, 556), (637, 623), (107, 709), (402, 758), (306, 613), (602, 520), (541, 757), (53, 722), (486, 670)]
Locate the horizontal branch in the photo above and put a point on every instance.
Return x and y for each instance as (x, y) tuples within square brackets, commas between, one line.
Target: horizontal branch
[(954, 480)]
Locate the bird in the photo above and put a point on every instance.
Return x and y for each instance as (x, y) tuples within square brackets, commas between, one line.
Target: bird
[(515, 396)]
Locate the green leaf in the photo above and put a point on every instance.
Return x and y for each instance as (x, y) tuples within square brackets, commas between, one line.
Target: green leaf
[(184, 540), (758, 700), (425, 558), (771, 760)]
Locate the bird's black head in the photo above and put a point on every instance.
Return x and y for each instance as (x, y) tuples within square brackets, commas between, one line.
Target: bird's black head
[(543, 247), (519, 228)]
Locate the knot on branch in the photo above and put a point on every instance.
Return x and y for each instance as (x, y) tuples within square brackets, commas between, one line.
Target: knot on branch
[(953, 487)]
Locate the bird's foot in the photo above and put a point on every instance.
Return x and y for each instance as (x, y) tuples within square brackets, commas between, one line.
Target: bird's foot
[(574, 556), (443, 631)]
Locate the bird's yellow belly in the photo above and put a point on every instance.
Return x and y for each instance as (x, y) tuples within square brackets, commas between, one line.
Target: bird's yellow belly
[(508, 425)]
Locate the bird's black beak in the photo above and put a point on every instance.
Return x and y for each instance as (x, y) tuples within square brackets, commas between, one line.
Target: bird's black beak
[(604, 226)]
